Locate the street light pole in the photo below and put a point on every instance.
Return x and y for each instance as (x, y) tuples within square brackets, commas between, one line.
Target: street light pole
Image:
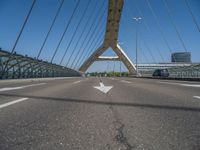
[(137, 19)]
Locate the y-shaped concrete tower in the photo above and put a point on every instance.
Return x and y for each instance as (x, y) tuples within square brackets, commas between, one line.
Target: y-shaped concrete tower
[(110, 40)]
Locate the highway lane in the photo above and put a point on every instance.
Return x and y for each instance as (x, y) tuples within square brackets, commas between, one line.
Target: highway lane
[(72, 114)]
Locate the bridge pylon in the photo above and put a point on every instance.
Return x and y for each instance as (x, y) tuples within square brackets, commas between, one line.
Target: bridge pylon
[(110, 40)]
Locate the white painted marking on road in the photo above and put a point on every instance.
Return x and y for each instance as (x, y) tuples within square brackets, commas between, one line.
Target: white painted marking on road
[(197, 97), (36, 79), (169, 83), (13, 102), (19, 87), (187, 85), (103, 88), (191, 85), (77, 82), (125, 81)]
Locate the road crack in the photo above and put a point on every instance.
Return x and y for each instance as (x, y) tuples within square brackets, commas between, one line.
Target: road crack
[(119, 126), (121, 138)]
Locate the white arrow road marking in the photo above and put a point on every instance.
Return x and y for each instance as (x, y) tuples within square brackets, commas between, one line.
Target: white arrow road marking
[(13, 102), (19, 87), (197, 97), (103, 88)]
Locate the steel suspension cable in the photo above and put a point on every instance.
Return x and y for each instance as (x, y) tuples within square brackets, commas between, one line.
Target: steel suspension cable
[(149, 30), (146, 42), (74, 34), (88, 35), (160, 28), (52, 24), (82, 33), (174, 25), (159, 25), (191, 13), (139, 50), (91, 35), (90, 48), (23, 26), (147, 27), (98, 41), (145, 57), (83, 15), (66, 28), (150, 52), (20, 33)]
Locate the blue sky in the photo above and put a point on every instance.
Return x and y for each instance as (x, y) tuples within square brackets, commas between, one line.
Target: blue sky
[(13, 12)]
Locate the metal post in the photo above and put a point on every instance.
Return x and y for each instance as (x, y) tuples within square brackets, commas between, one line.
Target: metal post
[(136, 42), (136, 38)]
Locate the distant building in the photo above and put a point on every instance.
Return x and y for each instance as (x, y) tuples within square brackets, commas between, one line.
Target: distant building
[(181, 57)]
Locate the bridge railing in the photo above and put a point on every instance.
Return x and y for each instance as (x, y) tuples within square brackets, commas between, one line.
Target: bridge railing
[(15, 66), (192, 71)]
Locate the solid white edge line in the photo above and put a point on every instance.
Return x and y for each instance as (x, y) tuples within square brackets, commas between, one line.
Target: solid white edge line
[(13, 102), (169, 83), (191, 85), (20, 87), (197, 97), (180, 84), (36, 79)]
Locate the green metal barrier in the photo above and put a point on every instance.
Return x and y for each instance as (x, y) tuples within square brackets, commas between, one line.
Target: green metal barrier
[(15, 66)]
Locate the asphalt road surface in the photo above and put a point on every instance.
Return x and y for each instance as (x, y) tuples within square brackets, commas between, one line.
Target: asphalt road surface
[(99, 114)]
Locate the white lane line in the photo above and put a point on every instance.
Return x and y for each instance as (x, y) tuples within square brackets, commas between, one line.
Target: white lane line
[(36, 79), (169, 83), (19, 87), (191, 85), (125, 81), (197, 97), (77, 82), (187, 85), (13, 102)]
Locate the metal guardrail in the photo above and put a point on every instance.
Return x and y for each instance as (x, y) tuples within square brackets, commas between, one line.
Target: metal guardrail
[(15, 66), (192, 71)]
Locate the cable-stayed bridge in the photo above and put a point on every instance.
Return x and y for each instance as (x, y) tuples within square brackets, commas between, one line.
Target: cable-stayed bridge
[(101, 34), (46, 102)]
